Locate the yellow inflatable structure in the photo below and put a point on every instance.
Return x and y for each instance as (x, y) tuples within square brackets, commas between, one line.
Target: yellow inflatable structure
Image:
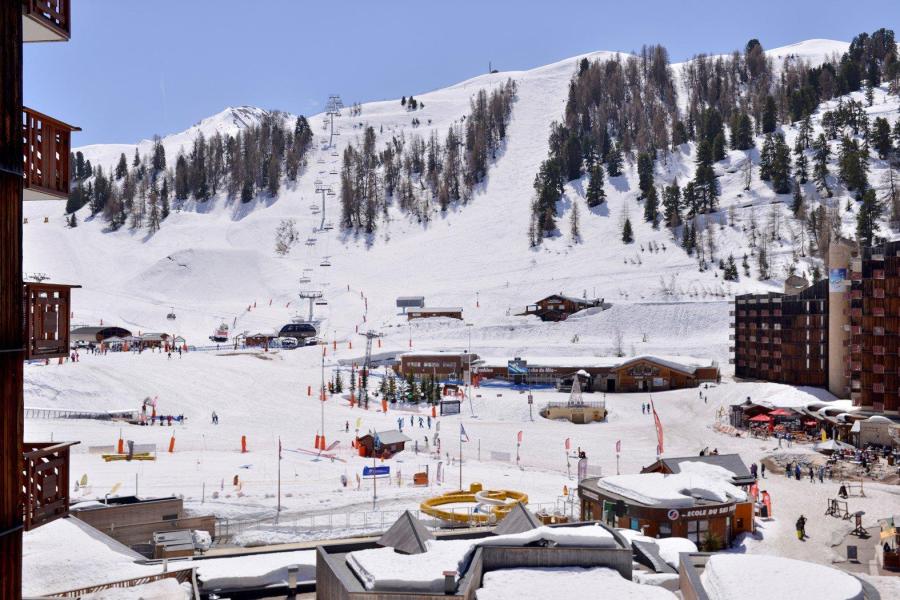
[(491, 505)]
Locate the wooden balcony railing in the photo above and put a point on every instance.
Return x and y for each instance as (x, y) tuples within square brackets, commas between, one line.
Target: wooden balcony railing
[(45, 482), (46, 145), (46, 20), (47, 310)]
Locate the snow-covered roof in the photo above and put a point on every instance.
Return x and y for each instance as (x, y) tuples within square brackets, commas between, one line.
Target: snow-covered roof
[(392, 437), (438, 309), (697, 482), (256, 570), (727, 576), (68, 554), (559, 583), (384, 569), (428, 353), (732, 462), (575, 299)]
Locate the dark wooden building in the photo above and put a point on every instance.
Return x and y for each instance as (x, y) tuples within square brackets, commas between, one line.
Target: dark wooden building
[(443, 366), (391, 443), (782, 337), (453, 312), (95, 335), (558, 307), (34, 154)]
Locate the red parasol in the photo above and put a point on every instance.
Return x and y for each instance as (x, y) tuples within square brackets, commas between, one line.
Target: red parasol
[(781, 412), (761, 419)]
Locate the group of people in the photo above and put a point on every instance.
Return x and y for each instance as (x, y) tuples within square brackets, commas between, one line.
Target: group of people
[(161, 419), (795, 470), (646, 408), (758, 471), (402, 420)]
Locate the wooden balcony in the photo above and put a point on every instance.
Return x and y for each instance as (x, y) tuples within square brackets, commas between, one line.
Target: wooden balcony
[(47, 310), (46, 20), (45, 482), (46, 144)]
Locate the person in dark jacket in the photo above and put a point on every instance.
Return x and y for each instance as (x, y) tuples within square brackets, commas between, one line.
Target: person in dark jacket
[(801, 528)]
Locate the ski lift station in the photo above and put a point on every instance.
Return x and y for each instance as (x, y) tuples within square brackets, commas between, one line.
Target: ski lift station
[(404, 302)]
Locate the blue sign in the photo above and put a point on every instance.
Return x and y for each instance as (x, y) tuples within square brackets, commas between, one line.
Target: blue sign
[(376, 471)]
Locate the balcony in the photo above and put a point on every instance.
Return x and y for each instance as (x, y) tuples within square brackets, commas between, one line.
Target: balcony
[(856, 295), (46, 143), (878, 274), (878, 293), (46, 20), (877, 311), (877, 369), (47, 310), (45, 482)]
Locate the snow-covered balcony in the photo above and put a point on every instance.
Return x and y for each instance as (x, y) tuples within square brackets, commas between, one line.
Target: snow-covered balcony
[(46, 20), (46, 145)]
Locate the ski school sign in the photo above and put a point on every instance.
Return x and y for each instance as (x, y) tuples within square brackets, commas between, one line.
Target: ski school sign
[(376, 471), (700, 513)]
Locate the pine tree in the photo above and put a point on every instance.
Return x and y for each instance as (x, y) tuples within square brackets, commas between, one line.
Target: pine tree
[(781, 166), (614, 160), (136, 162), (742, 132), (153, 218), (853, 166), (801, 164), (770, 116), (820, 167), (158, 162), (706, 186), (797, 200), (182, 183), (645, 173), (596, 195), (672, 204), (164, 199), (574, 230), (881, 137), (122, 167), (651, 207), (718, 147), (627, 234), (870, 211)]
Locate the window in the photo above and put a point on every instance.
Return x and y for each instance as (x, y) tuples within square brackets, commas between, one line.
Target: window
[(696, 531), (665, 530), (635, 524)]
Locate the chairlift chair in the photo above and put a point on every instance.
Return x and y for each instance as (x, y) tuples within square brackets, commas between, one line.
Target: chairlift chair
[(331, 193), (332, 172), (321, 303), (304, 280), (171, 315), (325, 263)]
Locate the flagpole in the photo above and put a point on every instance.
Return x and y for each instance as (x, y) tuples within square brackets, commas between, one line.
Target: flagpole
[(460, 461), (279, 474)]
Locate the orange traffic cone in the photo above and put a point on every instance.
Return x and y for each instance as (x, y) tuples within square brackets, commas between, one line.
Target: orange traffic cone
[(172, 444), (243, 444), (433, 411), (383, 406), (322, 442), (121, 447), (316, 445)]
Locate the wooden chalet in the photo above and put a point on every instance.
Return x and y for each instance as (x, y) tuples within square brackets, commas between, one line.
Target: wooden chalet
[(391, 443), (34, 317), (260, 339), (453, 312), (558, 307), (441, 365)]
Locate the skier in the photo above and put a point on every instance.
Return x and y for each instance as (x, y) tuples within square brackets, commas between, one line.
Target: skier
[(812, 475), (821, 474), (788, 470), (753, 470), (346, 426), (215, 418), (421, 422), (429, 421), (797, 471), (801, 528), (762, 468)]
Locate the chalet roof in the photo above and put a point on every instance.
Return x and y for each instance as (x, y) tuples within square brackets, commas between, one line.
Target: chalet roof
[(436, 309), (154, 337), (390, 437), (518, 520), (407, 535), (575, 299), (87, 330), (411, 298), (730, 462)]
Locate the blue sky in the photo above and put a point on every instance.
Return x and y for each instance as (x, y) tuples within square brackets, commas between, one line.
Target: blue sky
[(139, 67)]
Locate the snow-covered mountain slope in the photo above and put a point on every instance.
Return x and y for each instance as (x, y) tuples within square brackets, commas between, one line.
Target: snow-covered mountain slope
[(213, 261)]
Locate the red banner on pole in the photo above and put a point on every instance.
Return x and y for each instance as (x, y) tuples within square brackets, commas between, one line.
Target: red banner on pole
[(659, 428)]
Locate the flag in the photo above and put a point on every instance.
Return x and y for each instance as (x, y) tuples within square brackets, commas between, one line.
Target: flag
[(463, 436), (618, 446), (568, 443), (659, 428), (358, 422), (519, 437)]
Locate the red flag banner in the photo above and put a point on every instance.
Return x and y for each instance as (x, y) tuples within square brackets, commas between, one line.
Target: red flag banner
[(519, 437), (659, 428), (618, 446), (568, 443)]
